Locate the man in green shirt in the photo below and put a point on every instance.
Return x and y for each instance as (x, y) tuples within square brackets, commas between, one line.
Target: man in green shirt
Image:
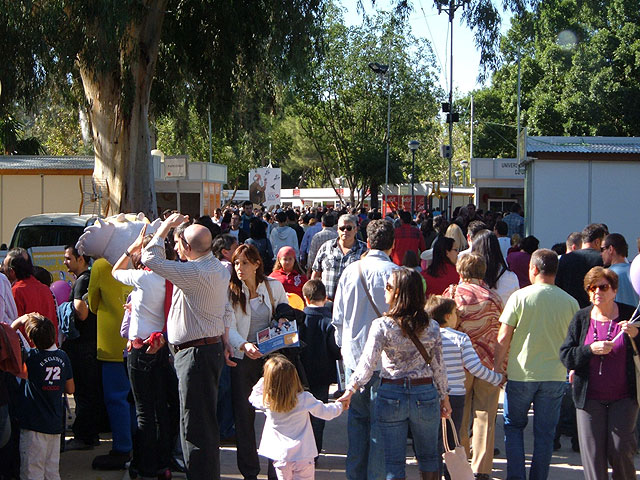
[(534, 322)]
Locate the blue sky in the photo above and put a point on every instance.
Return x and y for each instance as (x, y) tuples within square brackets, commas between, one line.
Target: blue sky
[(426, 23)]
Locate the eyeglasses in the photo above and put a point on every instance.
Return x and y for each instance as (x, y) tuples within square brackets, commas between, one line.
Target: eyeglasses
[(348, 228), (603, 288), (603, 248), (388, 287), (181, 237)]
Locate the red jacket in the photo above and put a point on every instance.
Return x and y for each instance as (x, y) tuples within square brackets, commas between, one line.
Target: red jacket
[(407, 237), (32, 296), (292, 281)]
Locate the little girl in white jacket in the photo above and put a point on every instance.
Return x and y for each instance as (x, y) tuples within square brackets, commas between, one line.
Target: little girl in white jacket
[(287, 437)]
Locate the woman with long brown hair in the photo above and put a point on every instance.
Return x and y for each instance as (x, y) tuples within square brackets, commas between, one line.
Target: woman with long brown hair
[(253, 297), (413, 391)]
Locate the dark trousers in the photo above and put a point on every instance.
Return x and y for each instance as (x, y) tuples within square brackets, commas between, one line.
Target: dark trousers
[(243, 377), (225, 404), (607, 437), (152, 445), (90, 410), (321, 392), (198, 370)]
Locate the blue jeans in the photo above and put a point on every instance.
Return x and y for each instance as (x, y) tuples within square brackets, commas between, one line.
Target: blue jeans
[(122, 417), (396, 408), (365, 454), (546, 398)]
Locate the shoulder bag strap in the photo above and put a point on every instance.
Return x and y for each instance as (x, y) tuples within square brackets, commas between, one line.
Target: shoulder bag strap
[(420, 347), (366, 290), (273, 305)]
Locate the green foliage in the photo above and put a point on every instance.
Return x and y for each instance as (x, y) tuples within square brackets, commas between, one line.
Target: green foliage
[(342, 105), (580, 75)]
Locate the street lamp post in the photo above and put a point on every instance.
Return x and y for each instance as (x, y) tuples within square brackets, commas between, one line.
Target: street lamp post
[(382, 70), (464, 164), (450, 7), (413, 146)]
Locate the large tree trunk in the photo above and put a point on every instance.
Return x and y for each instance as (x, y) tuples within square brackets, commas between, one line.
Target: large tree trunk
[(119, 112)]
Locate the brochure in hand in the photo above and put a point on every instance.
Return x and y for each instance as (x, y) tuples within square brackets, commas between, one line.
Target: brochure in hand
[(282, 335)]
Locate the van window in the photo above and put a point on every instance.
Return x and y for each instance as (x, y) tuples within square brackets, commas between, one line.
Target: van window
[(45, 235)]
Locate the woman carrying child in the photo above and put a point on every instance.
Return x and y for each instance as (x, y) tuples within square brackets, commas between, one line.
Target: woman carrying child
[(287, 437)]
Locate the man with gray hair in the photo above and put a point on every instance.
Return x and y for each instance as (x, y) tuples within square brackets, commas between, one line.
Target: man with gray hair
[(327, 233), (335, 255)]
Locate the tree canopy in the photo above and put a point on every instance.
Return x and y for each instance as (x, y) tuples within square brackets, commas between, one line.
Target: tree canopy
[(580, 70)]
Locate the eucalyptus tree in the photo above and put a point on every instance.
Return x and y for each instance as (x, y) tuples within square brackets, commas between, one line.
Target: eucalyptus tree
[(108, 54)]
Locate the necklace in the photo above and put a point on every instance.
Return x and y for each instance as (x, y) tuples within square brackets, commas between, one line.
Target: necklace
[(595, 339)]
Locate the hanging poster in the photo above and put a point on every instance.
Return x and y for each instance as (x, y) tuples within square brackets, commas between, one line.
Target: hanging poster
[(264, 186)]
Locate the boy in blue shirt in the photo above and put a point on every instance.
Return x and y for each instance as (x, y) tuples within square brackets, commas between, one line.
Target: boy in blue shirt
[(41, 415)]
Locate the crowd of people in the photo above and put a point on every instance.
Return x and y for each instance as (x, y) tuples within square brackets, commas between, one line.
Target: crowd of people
[(428, 318)]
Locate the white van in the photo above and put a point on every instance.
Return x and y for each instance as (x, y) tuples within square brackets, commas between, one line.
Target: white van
[(50, 229)]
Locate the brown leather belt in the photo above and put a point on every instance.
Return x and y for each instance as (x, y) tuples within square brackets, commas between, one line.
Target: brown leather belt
[(197, 343), (407, 381)]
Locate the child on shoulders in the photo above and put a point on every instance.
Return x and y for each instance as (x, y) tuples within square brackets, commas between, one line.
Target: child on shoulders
[(41, 415)]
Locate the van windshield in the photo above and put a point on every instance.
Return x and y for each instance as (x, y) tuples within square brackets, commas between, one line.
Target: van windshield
[(45, 235)]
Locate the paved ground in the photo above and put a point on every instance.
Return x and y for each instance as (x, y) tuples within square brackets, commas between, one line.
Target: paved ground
[(565, 463)]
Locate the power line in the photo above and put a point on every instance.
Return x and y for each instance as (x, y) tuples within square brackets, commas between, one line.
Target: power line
[(431, 39)]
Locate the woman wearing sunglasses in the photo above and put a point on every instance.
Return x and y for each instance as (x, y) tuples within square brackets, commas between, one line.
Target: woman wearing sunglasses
[(412, 391), (598, 348)]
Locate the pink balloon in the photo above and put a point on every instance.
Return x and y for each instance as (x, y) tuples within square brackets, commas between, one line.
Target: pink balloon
[(634, 273), (61, 291)]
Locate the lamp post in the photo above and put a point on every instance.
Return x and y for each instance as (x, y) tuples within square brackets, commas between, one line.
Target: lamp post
[(450, 7), (458, 174), (381, 70), (464, 164), (413, 146)]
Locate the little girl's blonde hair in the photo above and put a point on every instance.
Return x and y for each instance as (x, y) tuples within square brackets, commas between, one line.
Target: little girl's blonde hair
[(281, 385)]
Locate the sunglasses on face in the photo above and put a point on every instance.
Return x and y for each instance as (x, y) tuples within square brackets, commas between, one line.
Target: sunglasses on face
[(603, 288), (348, 228), (181, 237)]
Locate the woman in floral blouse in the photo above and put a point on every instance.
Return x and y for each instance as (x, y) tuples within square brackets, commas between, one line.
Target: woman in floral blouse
[(412, 392)]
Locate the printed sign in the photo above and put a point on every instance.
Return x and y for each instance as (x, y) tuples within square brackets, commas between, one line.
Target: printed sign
[(52, 259), (264, 186), (274, 338), (175, 167)]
